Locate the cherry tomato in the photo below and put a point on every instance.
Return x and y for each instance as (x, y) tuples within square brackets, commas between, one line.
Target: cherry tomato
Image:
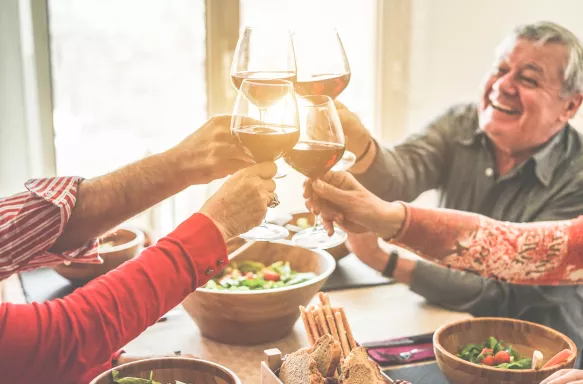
[(270, 275), (501, 357)]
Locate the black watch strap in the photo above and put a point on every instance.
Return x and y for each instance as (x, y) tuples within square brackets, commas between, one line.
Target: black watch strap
[(391, 265)]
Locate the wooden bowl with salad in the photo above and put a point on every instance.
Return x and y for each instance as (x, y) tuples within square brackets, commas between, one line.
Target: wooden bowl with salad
[(255, 300), (115, 248), (168, 370), (498, 350)]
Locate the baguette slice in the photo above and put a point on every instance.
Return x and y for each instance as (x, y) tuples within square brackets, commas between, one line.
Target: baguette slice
[(327, 353), (300, 368), (358, 368)]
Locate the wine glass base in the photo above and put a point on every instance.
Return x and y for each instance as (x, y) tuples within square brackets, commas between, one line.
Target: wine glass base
[(266, 232), (347, 161), (318, 238)]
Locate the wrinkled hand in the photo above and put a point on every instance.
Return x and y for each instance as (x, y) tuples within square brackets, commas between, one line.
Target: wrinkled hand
[(242, 201), (340, 198), (211, 152), (564, 376), (356, 135)]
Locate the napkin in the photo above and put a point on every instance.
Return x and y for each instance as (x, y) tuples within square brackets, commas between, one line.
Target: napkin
[(384, 352)]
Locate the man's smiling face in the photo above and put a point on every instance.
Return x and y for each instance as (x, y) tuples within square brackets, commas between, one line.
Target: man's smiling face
[(523, 104)]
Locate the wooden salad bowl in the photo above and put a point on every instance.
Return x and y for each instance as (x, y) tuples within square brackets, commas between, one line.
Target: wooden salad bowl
[(259, 316), (525, 337), (124, 244), (169, 369)]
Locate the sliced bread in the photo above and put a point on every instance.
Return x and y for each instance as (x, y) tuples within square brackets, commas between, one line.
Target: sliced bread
[(327, 352), (300, 368)]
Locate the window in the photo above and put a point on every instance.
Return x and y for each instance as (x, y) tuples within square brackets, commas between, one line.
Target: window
[(128, 81)]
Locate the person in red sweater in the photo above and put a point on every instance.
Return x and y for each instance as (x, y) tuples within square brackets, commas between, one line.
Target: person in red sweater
[(72, 340)]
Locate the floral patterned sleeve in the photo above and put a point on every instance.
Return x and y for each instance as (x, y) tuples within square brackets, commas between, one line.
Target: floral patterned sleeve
[(542, 253)]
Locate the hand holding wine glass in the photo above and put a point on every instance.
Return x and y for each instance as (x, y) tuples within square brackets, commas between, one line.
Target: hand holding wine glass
[(265, 122)]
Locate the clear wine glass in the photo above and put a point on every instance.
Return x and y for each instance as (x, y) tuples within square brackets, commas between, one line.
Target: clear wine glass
[(322, 69), (320, 146), (266, 123), (263, 54)]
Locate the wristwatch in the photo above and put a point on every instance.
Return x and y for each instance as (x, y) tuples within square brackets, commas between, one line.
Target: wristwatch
[(391, 265)]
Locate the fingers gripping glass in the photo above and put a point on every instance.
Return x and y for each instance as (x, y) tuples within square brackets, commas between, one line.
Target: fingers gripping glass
[(265, 122)]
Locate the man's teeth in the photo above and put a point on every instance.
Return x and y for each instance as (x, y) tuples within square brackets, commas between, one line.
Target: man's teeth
[(503, 107)]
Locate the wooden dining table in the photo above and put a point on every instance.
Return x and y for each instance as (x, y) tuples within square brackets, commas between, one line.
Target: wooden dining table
[(374, 313)]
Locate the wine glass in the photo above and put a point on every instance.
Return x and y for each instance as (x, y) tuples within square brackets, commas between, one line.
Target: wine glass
[(320, 146), (322, 69), (265, 121), (263, 54)]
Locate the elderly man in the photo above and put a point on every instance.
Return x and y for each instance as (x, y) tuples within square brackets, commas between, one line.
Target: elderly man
[(512, 156)]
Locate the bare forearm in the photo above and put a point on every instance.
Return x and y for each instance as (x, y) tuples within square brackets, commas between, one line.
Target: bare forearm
[(106, 201)]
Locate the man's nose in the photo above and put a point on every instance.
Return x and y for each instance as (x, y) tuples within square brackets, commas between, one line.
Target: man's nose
[(506, 84)]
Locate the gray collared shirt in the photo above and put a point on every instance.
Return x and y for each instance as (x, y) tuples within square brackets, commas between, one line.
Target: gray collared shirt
[(455, 157)]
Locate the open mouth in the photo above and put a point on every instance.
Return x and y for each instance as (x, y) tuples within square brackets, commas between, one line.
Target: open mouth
[(504, 108)]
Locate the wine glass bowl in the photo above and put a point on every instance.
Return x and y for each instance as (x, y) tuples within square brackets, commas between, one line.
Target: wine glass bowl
[(319, 148), (263, 54), (265, 122), (322, 65)]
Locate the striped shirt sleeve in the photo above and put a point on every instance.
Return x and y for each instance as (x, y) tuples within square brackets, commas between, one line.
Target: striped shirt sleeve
[(31, 222)]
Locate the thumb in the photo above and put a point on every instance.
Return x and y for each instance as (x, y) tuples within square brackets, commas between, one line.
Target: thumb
[(329, 192)]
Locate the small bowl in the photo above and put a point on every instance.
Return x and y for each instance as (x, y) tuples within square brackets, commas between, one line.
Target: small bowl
[(169, 369), (524, 336), (127, 243), (338, 252), (261, 316)]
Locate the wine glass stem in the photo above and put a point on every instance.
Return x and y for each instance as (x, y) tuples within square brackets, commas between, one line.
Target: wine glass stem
[(317, 223)]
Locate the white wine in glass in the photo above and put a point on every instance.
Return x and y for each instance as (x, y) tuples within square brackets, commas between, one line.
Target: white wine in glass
[(266, 133)]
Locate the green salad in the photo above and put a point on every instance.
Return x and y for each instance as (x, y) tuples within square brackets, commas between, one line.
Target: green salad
[(252, 275), (137, 380), (494, 353)]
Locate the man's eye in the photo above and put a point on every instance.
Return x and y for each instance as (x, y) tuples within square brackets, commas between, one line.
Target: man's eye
[(530, 81)]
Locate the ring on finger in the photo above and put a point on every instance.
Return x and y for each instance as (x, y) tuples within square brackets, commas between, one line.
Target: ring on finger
[(274, 201)]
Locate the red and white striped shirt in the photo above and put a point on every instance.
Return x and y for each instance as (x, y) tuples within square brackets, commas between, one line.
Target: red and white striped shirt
[(31, 222)]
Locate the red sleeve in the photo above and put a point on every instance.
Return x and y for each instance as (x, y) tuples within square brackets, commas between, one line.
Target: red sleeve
[(539, 253), (31, 222), (72, 340)]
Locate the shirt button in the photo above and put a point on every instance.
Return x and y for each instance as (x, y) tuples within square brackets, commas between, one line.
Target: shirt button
[(489, 172), (209, 271), (219, 263)]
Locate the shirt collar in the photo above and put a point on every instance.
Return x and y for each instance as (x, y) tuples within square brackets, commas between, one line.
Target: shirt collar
[(546, 159)]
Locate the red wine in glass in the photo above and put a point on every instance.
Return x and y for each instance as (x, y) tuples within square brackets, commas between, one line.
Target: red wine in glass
[(267, 142), (327, 85), (313, 158)]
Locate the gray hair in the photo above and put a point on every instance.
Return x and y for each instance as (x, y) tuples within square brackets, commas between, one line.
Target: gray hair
[(543, 32)]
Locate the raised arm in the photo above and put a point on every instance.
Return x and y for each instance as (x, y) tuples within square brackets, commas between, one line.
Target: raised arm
[(71, 340), (543, 253)]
